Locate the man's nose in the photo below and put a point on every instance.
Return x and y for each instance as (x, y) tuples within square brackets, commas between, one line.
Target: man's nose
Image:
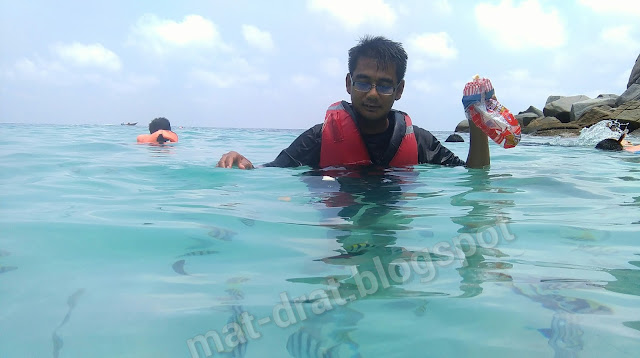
[(373, 91)]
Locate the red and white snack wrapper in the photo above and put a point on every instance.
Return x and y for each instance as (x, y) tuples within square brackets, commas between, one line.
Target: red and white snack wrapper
[(494, 119)]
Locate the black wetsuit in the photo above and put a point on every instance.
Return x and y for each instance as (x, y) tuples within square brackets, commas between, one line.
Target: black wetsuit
[(305, 150)]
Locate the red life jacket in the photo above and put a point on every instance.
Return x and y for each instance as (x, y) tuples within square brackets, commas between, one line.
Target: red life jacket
[(342, 144)]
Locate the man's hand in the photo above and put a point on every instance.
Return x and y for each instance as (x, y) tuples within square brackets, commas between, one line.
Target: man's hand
[(234, 158)]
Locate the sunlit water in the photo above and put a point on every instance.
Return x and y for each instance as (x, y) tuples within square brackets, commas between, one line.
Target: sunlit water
[(109, 248)]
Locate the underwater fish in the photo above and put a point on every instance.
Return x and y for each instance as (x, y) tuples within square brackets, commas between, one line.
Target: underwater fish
[(236, 280), (240, 350), (301, 344), (4, 253), (199, 253), (202, 243), (58, 343), (71, 302), (221, 234), (4, 269), (422, 309), (581, 234), (73, 299), (248, 222), (557, 302), (235, 293), (178, 267)]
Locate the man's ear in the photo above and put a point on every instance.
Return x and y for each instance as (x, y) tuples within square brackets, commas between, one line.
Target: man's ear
[(347, 81), (399, 90)]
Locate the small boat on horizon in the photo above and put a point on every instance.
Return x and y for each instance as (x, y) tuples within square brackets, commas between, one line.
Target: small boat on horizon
[(128, 124)]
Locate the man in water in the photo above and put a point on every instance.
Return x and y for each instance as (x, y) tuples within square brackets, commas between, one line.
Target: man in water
[(160, 132), (367, 131), (618, 145)]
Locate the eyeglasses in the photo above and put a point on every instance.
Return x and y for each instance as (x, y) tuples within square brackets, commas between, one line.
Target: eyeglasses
[(366, 87)]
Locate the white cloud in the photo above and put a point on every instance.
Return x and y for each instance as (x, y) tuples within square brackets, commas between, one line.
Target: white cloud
[(30, 69), (93, 55), (430, 50), (234, 73), (258, 38), (423, 86), (442, 6), (438, 46), (304, 81), (60, 74), (38, 70), (353, 13), (509, 85), (619, 7), (521, 26), (614, 48), (620, 35), (128, 84), (334, 67), (161, 36)]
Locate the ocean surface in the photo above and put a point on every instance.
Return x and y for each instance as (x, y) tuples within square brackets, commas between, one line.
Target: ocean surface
[(109, 248)]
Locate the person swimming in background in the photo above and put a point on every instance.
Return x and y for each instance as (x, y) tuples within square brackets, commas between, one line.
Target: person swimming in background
[(160, 132), (618, 145)]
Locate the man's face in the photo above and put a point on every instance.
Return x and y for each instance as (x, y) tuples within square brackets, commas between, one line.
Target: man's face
[(372, 105)]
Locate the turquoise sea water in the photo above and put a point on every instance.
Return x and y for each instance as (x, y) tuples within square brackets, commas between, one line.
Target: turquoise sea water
[(109, 248)]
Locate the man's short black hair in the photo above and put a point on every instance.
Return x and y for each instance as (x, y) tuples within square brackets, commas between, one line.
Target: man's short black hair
[(158, 124), (381, 49), (609, 144)]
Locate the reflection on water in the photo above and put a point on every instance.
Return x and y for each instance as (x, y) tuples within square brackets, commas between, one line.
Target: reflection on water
[(372, 207), (626, 281), (375, 210), (485, 210)]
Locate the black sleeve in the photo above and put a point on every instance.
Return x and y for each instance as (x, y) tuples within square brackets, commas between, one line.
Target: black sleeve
[(430, 151), (304, 150)]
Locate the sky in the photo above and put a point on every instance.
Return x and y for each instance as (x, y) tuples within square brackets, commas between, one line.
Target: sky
[(280, 64)]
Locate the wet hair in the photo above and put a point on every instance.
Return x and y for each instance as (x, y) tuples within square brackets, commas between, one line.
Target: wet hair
[(609, 144), (383, 50), (158, 124)]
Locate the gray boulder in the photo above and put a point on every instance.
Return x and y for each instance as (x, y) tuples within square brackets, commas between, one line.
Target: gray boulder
[(552, 99), (538, 123), (525, 118), (551, 126), (562, 130), (594, 115), (579, 108), (533, 110), (635, 74), (628, 113), (631, 94), (454, 138), (462, 127), (561, 108)]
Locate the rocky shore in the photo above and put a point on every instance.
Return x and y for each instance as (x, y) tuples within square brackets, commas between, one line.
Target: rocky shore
[(567, 115)]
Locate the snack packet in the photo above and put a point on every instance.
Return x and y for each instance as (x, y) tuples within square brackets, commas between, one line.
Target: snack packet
[(494, 119)]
